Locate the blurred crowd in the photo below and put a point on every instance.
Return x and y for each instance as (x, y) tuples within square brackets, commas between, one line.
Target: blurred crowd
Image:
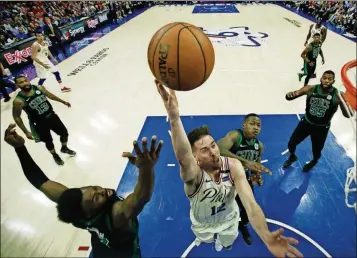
[(341, 14), (19, 20)]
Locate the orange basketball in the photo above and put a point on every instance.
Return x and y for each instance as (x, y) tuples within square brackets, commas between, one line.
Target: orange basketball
[(181, 56)]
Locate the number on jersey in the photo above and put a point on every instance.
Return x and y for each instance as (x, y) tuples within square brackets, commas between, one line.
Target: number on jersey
[(218, 209)]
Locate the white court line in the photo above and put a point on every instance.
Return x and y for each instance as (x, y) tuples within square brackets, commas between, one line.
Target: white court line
[(264, 161), (167, 119), (171, 165), (285, 151), (298, 116), (170, 133), (188, 250)]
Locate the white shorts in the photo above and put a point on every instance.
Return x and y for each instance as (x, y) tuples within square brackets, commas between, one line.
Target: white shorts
[(42, 72), (227, 230)]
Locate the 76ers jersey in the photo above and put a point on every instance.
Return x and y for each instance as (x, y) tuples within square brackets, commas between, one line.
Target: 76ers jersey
[(214, 201), (42, 54), (315, 30)]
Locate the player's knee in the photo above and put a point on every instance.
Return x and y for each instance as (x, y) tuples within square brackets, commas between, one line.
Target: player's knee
[(50, 146), (58, 76)]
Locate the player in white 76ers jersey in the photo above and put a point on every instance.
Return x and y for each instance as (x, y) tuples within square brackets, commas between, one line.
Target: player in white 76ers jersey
[(211, 183), (43, 65)]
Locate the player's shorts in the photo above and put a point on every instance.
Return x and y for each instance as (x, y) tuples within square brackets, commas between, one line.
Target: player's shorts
[(41, 130), (226, 230), (42, 72)]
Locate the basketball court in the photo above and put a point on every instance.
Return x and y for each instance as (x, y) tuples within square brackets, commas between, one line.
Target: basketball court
[(115, 101)]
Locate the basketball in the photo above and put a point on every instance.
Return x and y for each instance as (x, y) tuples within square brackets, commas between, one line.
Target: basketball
[(181, 56)]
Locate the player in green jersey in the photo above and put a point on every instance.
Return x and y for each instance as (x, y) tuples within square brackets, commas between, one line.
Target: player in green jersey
[(111, 220), (244, 145), (309, 55), (34, 101), (322, 102)]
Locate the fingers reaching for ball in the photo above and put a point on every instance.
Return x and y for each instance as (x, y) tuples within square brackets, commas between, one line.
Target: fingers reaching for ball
[(162, 91)]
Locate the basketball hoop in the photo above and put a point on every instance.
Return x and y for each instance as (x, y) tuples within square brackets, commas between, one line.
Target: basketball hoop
[(350, 97), (350, 94)]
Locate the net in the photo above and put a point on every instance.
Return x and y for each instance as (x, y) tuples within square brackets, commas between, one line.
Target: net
[(350, 103)]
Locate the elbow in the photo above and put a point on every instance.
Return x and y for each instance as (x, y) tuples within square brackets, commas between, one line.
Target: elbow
[(145, 199)]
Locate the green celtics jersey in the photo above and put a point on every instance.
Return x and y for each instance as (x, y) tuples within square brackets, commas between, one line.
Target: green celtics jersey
[(123, 242), (36, 106), (247, 149), (314, 52), (320, 107)]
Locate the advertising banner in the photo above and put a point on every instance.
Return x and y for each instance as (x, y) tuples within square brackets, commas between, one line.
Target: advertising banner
[(19, 55)]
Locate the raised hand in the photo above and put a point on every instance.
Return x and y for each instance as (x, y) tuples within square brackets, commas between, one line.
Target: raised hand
[(12, 138), (256, 167), (145, 157), (281, 246), (169, 99), (291, 95)]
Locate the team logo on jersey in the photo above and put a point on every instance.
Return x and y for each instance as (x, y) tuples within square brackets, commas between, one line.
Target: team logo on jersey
[(236, 36), (256, 146), (329, 97), (38, 92)]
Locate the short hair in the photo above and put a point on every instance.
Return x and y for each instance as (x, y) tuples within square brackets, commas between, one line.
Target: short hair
[(317, 34), (69, 209), (197, 134), (38, 31), (19, 76), (330, 72), (250, 115)]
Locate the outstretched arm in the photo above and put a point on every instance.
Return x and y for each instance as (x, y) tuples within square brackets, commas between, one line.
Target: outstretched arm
[(304, 54), (189, 171), (53, 96), (322, 56), (227, 142), (16, 114), (298, 93), (135, 202), (345, 112), (32, 171), (254, 212), (277, 244)]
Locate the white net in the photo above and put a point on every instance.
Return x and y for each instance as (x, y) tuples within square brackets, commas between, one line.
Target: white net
[(350, 185)]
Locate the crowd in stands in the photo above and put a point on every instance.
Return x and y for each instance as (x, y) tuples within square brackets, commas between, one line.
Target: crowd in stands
[(19, 20), (342, 14)]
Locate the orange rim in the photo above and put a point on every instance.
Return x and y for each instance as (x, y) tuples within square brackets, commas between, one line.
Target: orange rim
[(350, 94)]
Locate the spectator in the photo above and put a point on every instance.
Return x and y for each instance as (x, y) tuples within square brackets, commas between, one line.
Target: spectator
[(4, 84), (22, 33), (54, 34), (342, 14)]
